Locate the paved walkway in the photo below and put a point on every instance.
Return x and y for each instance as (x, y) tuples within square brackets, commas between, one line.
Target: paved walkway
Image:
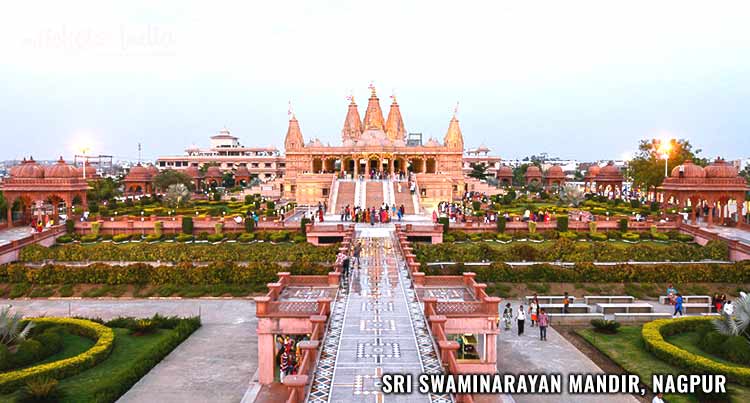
[(728, 232), (377, 327), (215, 364), (11, 234), (527, 354)]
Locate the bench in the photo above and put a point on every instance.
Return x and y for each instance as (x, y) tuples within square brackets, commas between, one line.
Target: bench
[(638, 318), (696, 308), (697, 299), (550, 299), (710, 314), (558, 308), (608, 299), (573, 318), (624, 308)]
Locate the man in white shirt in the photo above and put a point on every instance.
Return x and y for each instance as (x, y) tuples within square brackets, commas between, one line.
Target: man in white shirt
[(658, 398)]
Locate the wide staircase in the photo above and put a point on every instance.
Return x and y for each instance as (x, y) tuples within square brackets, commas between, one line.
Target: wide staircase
[(374, 194), (344, 196), (404, 197)]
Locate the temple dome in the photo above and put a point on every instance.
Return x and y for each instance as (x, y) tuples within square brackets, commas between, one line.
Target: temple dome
[(555, 172), (593, 170), (27, 169), (193, 172), (139, 172), (213, 172), (505, 171), (533, 171), (61, 170), (242, 171), (609, 170), (432, 143), (721, 169), (689, 170)]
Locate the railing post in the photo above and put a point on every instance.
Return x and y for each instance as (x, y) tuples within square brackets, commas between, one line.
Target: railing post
[(296, 385), (437, 323), (469, 278), (324, 306), (334, 278), (430, 305), (261, 305), (418, 278), (446, 349), (492, 306)]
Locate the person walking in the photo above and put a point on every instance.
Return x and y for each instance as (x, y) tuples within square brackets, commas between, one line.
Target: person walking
[(566, 302), (659, 398), (533, 311), (543, 323), (678, 306), (521, 319), (357, 251), (507, 316)]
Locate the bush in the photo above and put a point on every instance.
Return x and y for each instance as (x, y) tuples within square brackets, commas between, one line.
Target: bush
[(717, 250), (89, 238), (500, 224), (187, 225), (158, 227), (152, 238), (247, 237), (121, 237), (504, 237), (684, 238), (64, 239), (569, 235), (218, 228), (103, 335), (653, 334), (592, 227), (736, 349), (143, 327), (70, 226), (622, 225), (249, 224), (532, 227), (598, 236), (184, 238), (605, 326), (279, 236), (214, 238), (40, 390), (631, 236), (95, 226), (562, 223), (536, 236), (446, 224), (303, 225)]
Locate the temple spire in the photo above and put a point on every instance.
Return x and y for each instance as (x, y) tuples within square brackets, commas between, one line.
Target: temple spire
[(374, 115), (394, 126), (352, 123), (293, 140), (453, 137)]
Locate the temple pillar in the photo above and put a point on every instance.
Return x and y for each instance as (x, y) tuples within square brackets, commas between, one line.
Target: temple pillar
[(266, 355), (710, 214), (10, 214), (692, 212)]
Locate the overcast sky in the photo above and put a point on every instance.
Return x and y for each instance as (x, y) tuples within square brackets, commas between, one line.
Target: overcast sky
[(576, 79)]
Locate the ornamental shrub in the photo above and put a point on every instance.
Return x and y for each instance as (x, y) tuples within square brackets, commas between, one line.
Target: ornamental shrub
[(303, 225), (717, 250), (121, 237), (214, 238), (568, 235), (64, 239), (250, 224), (89, 238), (500, 224), (504, 237), (562, 223), (187, 225), (158, 228), (605, 326), (592, 227), (622, 225), (70, 226), (184, 238), (446, 224), (598, 236), (218, 228), (532, 227), (247, 237), (95, 226), (631, 236)]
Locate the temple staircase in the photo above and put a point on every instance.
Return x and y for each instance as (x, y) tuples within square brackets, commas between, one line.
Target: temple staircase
[(374, 194), (345, 194)]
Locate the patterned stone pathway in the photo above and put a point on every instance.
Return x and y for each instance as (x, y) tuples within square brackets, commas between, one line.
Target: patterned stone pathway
[(377, 327)]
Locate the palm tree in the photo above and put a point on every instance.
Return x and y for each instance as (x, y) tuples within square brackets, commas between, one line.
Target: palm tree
[(11, 331), (737, 323)]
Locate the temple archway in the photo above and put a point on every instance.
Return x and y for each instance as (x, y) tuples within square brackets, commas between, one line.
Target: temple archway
[(431, 166), (317, 165), (416, 165)]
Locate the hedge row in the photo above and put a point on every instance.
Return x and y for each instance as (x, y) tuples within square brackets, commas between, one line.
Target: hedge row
[(570, 251), (653, 336), (142, 273), (104, 336), (178, 252), (738, 272)]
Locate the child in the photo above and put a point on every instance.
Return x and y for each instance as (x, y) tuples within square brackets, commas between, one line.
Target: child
[(521, 319)]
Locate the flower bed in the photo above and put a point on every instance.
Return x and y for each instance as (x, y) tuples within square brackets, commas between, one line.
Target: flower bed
[(103, 335), (653, 336)]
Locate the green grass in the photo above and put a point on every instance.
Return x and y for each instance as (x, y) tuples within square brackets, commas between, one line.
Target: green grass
[(73, 345), (626, 348), (689, 342), (127, 351)]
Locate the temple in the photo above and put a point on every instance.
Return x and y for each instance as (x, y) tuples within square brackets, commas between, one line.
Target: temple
[(373, 148)]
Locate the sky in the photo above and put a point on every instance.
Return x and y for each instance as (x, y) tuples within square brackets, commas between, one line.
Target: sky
[(576, 79)]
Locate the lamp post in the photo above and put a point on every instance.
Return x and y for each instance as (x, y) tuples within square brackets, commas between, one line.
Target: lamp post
[(664, 149)]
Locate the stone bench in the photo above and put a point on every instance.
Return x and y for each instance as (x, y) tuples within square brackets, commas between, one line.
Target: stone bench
[(639, 318), (608, 299), (697, 299), (696, 308), (550, 299), (573, 318), (624, 308), (558, 308)]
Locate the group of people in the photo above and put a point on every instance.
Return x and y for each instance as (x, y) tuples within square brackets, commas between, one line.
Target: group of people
[(383, 214), (538, 317), (288, 355), (722, 305)]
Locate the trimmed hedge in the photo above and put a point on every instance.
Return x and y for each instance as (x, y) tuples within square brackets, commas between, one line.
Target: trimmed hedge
[(653, 336), (175, 252), (104, 336), (141, 273), (738, 272)]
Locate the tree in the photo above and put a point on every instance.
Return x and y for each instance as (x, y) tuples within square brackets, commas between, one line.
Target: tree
[(3, 204), (164, 179), (102, 189), (478, 171), (745, 173), (646, 170), (572, 195), (177, 195), (227, 179), (737, 323)]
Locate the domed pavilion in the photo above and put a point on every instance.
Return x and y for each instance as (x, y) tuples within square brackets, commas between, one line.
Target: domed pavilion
[(715, 186), (44, 190), (554, 177)]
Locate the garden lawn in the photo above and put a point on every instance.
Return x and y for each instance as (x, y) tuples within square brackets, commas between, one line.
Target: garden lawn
[(626, 348), (73, 345)]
